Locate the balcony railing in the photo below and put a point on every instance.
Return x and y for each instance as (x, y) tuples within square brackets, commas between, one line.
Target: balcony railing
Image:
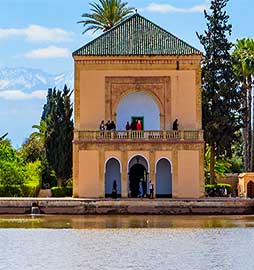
[(147, 135)]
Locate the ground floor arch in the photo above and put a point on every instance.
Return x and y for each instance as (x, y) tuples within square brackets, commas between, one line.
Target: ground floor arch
[(250, 189), (163, 181), (112, 173), (138, 172)]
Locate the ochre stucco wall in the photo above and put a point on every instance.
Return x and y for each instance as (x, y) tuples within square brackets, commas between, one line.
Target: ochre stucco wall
[(92, 95), (176, 82), (188, 174), (89, 182), (185, 171)]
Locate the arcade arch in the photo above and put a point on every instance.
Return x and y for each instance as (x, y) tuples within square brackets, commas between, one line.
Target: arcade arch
[(138, 168), (112, 173), (163, 178)]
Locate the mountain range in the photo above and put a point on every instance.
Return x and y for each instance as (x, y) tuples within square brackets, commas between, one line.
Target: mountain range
[(28, 80)]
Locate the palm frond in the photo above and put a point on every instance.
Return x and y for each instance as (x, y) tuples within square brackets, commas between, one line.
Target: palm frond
[(105, 14)]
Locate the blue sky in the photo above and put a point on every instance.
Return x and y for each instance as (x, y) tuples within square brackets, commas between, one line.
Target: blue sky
[(43, 33)]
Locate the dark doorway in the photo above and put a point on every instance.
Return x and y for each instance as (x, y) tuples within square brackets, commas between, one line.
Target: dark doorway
[(137, 172), (250, 190)]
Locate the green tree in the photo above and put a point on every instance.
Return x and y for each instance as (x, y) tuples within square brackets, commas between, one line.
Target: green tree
[(41, 133), (59, 133), (105, 15), (221, 166), (220, 96), (32, 149), (12, 167), (243, 57)]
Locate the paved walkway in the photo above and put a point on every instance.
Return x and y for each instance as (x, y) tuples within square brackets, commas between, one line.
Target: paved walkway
[(127, 206)]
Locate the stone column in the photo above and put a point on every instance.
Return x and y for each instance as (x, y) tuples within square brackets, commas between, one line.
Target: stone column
[(152, 170), (124, 174), (75, 170), (201, 172), (101, 173), (175, 191)]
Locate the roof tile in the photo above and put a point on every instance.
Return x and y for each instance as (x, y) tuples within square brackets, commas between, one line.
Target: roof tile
[(136, 36)]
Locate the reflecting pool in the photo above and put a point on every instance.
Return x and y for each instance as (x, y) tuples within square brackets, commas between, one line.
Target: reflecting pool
[(127, 242)]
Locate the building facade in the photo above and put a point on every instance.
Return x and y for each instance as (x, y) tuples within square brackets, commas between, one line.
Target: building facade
[(137, 71)]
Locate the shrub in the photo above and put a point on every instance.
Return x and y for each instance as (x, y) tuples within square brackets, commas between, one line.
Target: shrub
[(215, 190), (11, 173), (61, 191), (30, 190), (33, 173), (11, 191), (19, 191)]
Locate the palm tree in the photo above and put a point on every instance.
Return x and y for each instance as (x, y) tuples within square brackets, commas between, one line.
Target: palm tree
[(243, 56), (40, 135), (3, 136), (105, 14)]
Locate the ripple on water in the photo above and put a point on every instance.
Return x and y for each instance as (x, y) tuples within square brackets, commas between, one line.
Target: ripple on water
[(188, 248)]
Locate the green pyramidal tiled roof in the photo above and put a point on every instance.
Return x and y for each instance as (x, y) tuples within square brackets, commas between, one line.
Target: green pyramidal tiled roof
[(136, 36)]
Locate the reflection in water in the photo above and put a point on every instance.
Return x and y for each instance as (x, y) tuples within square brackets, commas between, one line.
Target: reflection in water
[(124, 222), (127, 242)]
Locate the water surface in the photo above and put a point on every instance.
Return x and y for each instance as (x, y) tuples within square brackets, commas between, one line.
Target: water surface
[(127, 242)]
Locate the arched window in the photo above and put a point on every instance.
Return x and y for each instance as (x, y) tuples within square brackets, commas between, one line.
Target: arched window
[(138, 105), (163, 179), (112, 173)]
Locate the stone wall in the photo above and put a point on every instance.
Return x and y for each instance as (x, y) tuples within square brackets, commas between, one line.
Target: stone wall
[(128, 207)]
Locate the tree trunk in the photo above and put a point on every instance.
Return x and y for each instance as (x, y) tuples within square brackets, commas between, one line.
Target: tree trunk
[(249, 123), (212, 161), (252, 131), (245, 126)]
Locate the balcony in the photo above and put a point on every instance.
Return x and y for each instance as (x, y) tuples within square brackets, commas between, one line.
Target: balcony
[(142, 136)]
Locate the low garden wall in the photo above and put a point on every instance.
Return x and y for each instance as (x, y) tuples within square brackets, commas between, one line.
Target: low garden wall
[(70, 206)]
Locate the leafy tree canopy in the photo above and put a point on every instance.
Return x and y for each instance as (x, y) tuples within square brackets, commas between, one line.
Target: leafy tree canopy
[(220, 96)]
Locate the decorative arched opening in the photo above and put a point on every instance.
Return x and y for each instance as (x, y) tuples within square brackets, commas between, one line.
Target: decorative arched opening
[(163, 179), (138, 177), (138, 106), (250, 189), (112, 173)]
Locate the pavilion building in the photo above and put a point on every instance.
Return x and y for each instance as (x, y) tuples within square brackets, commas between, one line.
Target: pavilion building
[(138, 71)]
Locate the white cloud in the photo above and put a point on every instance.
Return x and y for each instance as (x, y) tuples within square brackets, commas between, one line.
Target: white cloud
[(49, 52), (37, 33), (19, 95), (167, 8)]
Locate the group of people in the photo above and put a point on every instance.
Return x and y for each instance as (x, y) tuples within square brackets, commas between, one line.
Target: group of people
[(110, 125), (142, 189), (135, 125)]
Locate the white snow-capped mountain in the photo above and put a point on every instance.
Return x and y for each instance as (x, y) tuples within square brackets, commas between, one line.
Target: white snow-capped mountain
[(29, 80)]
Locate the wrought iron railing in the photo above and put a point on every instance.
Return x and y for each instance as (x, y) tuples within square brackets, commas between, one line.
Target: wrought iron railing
[(147, 135)]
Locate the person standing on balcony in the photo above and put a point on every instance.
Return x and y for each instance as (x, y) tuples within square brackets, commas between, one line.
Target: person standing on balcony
[(102, 126), (108, 125), (112, 125), (175, 125), (128, 126), (139, 125), (133, 125)]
